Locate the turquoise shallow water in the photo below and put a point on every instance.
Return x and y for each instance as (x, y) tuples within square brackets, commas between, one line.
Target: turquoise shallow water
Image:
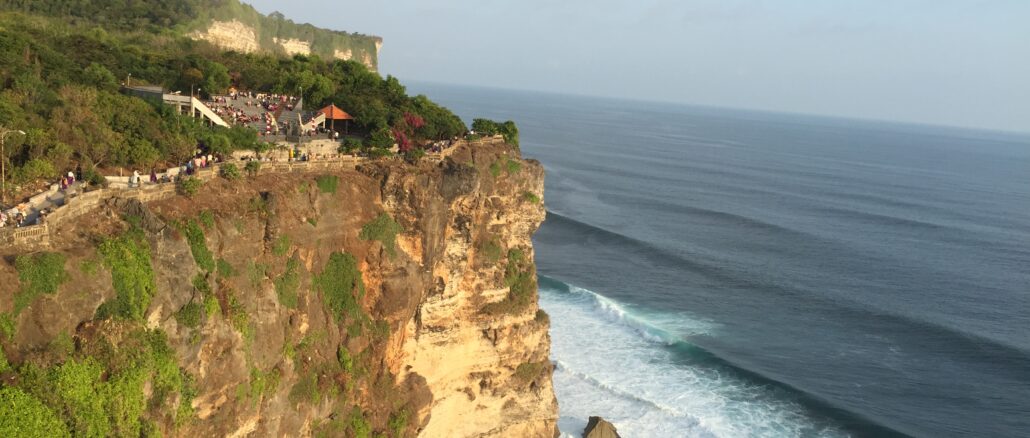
[(726, 273)]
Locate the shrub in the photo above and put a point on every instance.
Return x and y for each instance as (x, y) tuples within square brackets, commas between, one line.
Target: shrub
[(531, 197), (132, 276), (341, 286), (495, 169), (415, 154), (327, 183), (520, 278), (23, 415), (286, 286), (190, 314), (211, 306), (8, 327), (252, 168), (349, 146), (198, 246), (357, 424), (384, 229), (38, 274), (207, 218), (529, 371), (189, 186), (375, 153), (306, 389), (344, 358), (230, 172), (262, 384), (490, 128), (512, 166), (398, 422), (224, 268)]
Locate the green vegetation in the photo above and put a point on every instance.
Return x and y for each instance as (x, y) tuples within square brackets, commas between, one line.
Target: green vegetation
[(342, 287), (128, 258), (61, 63), (327, 183), (398, 422), (90, 266), (286, 286), (384, 229), (230, 172), (306, 389), (198, 246), (492, 250), (529, 371), (38, 274), (207, 219), (4, 365), (505, 164), (7, 325), (358, 426), (23, 415), (281, 245), (345, 360), (262, 384), (313, 221), (252, 168), (189, 186), (224, 268), (107, 389), (520, 277), (531, 197), (489, 128), (190, 315), (62, 345), (256, 273)]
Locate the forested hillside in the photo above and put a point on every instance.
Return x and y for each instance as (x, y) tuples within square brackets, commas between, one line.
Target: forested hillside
[(62, 65)]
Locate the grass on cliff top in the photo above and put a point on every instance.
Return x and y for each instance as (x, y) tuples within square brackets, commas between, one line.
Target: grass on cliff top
[(38, 274), (384, 229)]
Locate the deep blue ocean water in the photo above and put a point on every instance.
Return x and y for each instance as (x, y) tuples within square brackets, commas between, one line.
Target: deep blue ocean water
[(712, 272)]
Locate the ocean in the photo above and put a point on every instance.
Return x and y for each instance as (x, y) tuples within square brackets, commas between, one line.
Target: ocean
[(723, 273)]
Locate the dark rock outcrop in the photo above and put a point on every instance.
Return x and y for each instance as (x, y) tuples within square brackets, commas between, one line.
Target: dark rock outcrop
[(597, 427)]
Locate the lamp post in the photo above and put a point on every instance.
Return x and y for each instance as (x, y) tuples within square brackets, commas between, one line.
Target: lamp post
[(4, 132)]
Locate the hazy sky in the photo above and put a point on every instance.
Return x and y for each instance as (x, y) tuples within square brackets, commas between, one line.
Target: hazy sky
[(950, 62)]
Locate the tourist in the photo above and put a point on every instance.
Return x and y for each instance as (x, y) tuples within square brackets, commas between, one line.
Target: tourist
[(135, 179), (71, 178), (153, 176)]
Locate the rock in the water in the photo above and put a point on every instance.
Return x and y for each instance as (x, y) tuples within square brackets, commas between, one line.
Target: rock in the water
[(598, 428)]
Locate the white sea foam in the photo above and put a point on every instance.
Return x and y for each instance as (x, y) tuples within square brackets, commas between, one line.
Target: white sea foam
[(613, 361)]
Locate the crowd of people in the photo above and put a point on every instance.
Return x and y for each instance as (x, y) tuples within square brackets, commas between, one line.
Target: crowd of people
[(255, 109)]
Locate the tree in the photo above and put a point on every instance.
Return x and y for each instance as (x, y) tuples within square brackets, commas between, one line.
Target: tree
[(216, 78), (100, 77)]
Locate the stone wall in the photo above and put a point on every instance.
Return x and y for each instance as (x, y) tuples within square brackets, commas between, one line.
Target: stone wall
[(37, 237)]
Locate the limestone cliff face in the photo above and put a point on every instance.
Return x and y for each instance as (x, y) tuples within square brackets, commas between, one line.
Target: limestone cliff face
[(232, 25), (438, 335)]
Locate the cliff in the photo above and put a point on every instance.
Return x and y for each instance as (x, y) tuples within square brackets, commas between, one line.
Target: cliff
[(236, 26), (390, 298)]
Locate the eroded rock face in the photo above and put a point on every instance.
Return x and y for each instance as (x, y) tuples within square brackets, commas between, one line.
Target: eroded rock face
[(597, 427), (230, 35), (438, 338)]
